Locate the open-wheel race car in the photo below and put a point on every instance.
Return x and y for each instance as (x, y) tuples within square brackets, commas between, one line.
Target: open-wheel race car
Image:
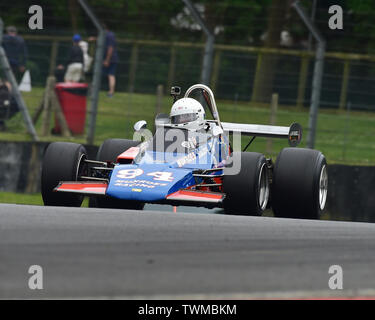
[(190, 160)]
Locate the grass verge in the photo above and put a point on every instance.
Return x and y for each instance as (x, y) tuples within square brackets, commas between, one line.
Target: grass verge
[(27, 199), (342, 137)]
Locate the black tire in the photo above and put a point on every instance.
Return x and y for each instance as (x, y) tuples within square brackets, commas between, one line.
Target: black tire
[(62, 162), (247, 192), (297, 177), (109, 151)]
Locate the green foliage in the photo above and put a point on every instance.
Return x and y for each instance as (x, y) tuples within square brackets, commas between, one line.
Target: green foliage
[(244, 21), (362, 23)]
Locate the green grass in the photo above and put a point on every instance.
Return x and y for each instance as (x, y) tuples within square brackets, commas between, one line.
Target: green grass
[(29, 199), (342, 138), (21, 198)]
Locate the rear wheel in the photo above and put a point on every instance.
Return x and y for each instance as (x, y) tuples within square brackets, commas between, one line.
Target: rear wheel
[(300, 184), (62, 161), (109, 151), (247, 192)]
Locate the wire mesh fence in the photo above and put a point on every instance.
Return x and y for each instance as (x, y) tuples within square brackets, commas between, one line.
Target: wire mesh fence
[(345, 127), (346, 121), (145, 64)]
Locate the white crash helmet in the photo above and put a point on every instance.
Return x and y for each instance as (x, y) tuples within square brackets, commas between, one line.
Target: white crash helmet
[(188, 113)]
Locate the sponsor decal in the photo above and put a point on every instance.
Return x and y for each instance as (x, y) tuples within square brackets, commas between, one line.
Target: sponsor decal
[(145, 184), (294, 135)]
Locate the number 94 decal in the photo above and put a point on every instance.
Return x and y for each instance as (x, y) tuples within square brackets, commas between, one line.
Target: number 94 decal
[(133, 173)]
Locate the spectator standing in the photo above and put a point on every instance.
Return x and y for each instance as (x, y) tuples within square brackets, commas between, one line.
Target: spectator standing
[(110, 60), (87, 60), (75, 67), (16, 51)]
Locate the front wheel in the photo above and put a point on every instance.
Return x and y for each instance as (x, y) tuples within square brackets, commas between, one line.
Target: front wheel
[(300, 184), (247, 192), (62, 161)]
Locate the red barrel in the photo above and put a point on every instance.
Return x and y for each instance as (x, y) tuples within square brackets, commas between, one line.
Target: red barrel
[(72, 97)]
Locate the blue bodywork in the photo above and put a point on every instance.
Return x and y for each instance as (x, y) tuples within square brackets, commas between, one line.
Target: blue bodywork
[(154, 174)]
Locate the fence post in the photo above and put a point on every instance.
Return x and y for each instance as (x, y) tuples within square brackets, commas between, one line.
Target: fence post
[(257, 70), (318, 73), (133, 67), (96, 80), (347, 129), (209, 47), (172, 68), (51, 103), (46, 119), (159, 103), (159, 99), (207, 60), (55, 105), (33, 171), (39, 110), (216, 70), (344, 84), (53, 58), (274, 105), (305, 60)]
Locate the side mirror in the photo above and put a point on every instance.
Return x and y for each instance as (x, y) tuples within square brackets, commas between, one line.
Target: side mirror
[(139, 125), (217, 131)]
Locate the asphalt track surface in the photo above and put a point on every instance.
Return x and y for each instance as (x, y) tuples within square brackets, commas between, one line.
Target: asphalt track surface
[(95, 253)]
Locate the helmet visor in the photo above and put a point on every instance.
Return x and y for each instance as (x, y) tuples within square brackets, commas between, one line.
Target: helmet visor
[(184, 118)]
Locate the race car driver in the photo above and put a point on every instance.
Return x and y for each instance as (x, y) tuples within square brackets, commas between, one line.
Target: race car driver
[(188, 113)]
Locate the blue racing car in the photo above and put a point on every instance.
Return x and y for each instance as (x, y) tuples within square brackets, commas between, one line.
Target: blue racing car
[(191, 159)]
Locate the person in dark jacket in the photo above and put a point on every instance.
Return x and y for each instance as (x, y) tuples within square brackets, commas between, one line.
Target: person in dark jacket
[(110, 60), (16, 50), (74, 71)]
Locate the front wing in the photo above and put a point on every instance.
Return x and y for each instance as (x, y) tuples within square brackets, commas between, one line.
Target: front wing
[(180, 197)]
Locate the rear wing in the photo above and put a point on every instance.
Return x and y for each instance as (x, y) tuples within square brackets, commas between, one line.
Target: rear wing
[(292, 133)]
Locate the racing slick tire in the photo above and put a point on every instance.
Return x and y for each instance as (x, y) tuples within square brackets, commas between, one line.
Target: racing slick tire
[(299, 184), (62, 162), (248, 191), (108, 151)]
